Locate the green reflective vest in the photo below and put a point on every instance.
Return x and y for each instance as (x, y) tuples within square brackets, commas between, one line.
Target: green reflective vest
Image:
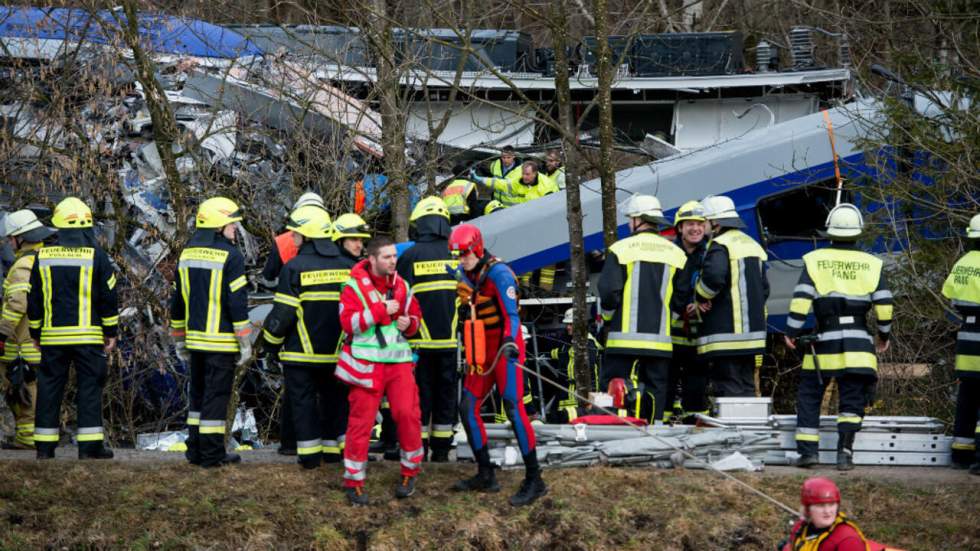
[(367, 347)]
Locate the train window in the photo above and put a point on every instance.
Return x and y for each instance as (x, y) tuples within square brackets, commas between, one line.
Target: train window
[(798, 213)]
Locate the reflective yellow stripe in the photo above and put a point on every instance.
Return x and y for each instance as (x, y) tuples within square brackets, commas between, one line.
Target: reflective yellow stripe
[(237, 283), (110, 321), (46, 289), (270, 338), (884, 312), (843, 360), (643, 345), (85, 296), (288, 300), (46, 437), (321, 295), (808, 437), (734, 345), (93, 437), (434, 286), (736, 293), (626, 308), (849, 419), (800, 306), (302, 357), (111, 283)]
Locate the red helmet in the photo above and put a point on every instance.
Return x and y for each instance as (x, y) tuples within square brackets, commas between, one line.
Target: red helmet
[(819, 490), (466, 238)]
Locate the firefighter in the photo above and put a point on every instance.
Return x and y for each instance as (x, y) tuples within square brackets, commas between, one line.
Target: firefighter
[(461, 197), (488, 290), (304, 330), (349, 232), (210, 326), (841, 284), (564, 357), (635, 290), (731, 294), (687, 368), (283, 246), (962, 287), (424, 267), (73, 315), (379, 313), (19, 358), (554, 168), (283, 250), (530, 185), (822, 526)]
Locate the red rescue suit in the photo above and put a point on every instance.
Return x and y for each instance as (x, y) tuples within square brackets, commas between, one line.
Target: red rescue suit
[(842, 535), (495, 301), (376, 361)]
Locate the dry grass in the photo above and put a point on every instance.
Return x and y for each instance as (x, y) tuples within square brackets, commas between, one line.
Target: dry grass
[(167, 505)]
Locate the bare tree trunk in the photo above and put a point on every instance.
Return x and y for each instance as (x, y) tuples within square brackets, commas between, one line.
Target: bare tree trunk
[(165, 132), (606, 70), (573, 178), (393, 116)]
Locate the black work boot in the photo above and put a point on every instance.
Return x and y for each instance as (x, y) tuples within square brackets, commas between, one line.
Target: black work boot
[(356, 496), (45, 453), (845, 451), (533, 485), (485, 479), (101, 452), (405, 488), (975, 469), (439, 456), (228, 459), (807, 461)]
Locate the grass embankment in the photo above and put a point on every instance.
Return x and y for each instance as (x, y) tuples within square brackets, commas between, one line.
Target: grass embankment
[(167, 505)]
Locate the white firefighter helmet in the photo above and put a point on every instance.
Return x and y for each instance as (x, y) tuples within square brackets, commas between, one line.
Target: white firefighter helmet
[(844, 221)]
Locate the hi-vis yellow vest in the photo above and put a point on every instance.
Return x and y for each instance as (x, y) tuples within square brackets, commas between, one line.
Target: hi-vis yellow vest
[(962, 287)]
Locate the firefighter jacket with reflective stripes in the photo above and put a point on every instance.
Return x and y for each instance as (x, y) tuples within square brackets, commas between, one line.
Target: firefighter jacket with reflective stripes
[(424, 267), (13, 323), (564, 356), (210, 300), (684, 326), (513, 191), (841, 284), (460, 197), (283, 250), (733, 279), (373, 336), (635, 290), (305, 317), (73, 293), (962, 287)]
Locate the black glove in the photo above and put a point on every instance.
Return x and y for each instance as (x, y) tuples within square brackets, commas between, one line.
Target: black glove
[(509, 347)]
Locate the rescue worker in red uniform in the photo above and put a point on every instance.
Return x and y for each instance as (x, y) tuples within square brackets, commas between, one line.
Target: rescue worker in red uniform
[(822, 526), (379, 314), (487, 285)]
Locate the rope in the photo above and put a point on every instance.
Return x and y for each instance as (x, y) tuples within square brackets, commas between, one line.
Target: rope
[(790, 510), (833, 151)]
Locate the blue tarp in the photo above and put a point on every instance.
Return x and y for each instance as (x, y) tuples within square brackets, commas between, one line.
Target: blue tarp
[(163, 34)]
